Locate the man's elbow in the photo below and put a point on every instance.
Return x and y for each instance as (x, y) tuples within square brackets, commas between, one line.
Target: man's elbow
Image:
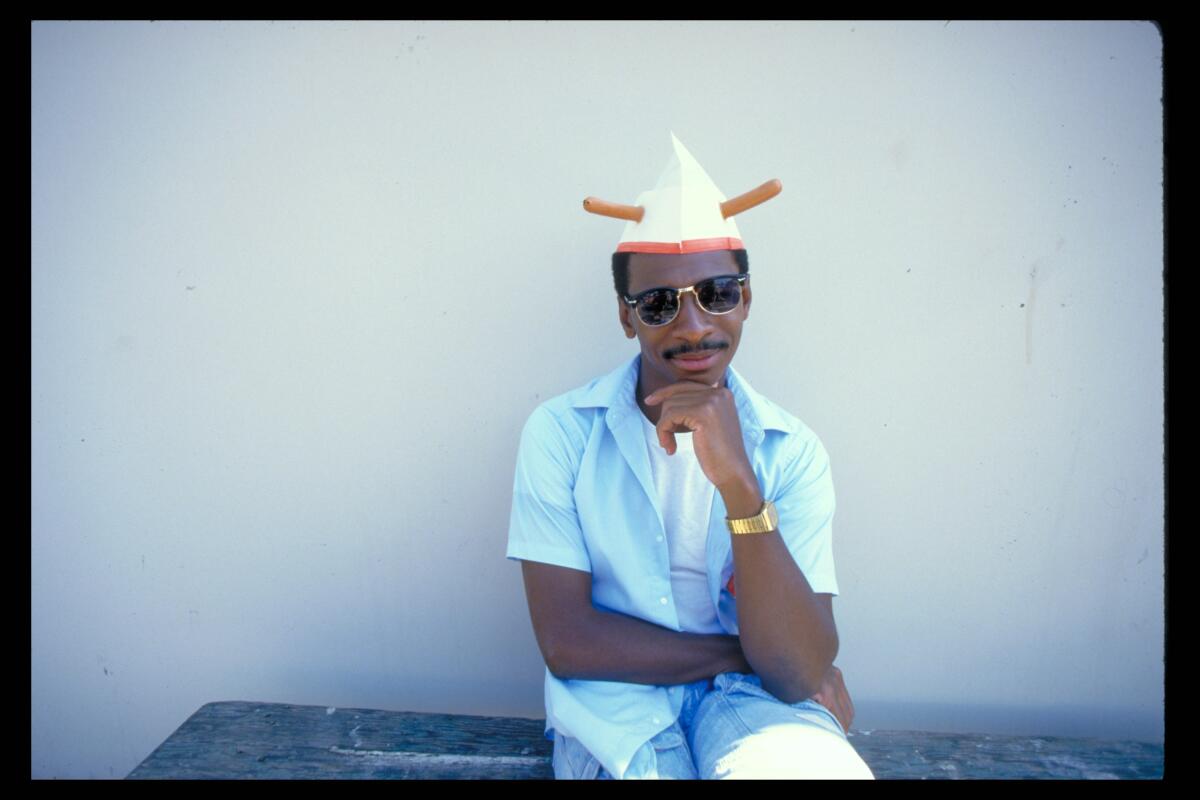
[(804, 686), (810, 684), (556, 657), (556, 669), (810, 672), (565, 646)]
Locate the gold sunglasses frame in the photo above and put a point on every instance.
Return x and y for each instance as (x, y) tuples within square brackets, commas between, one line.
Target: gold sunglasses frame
[(741, 278)]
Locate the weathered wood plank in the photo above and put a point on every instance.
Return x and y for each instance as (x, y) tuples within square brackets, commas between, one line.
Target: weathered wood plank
[(270, 740), (921, 755)]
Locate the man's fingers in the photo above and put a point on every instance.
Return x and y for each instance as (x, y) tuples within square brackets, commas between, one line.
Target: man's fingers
[(836, 708), (845, 712), (667, 440), (656, 397)]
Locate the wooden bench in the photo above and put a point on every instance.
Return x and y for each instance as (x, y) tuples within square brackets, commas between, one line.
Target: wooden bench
[(274, 740)]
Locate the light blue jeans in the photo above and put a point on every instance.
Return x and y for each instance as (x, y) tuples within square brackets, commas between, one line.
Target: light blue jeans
[(730, 727)]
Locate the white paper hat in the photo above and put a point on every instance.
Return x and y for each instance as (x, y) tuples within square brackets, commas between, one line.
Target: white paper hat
[(685, 212)]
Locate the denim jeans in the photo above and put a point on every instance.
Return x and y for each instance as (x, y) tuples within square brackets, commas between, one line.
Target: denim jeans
[(730, 727)]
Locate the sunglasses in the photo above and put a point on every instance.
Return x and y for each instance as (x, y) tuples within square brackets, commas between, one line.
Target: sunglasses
[(660, 306)]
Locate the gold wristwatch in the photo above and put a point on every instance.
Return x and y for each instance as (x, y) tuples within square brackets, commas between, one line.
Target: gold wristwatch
[(765, 521)]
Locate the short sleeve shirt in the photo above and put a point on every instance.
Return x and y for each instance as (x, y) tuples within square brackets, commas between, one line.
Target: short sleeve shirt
[(584, 498)]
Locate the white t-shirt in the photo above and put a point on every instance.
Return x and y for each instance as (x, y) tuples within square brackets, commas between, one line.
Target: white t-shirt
[(685, 496)]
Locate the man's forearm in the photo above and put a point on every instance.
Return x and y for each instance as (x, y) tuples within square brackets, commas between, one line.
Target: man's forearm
[(788, 636), (616, 647)]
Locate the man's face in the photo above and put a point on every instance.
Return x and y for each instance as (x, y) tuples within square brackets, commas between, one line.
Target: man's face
[(695, 346)]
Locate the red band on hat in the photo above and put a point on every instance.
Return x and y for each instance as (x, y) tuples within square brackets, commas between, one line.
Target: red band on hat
[(686, 246)]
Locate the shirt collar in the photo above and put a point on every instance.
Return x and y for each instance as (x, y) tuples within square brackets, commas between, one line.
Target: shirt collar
[(615, 391)]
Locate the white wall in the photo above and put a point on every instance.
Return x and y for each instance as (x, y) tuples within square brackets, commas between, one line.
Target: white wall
[(296, 286)]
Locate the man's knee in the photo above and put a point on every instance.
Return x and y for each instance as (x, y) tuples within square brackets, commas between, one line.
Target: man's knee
[(743, 731), (788, 751)]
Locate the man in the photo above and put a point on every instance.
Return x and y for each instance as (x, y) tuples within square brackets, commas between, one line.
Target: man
[(674, 529)]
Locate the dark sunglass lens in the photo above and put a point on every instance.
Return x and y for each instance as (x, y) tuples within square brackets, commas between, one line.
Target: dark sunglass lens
[(657, 307), (719, 295)]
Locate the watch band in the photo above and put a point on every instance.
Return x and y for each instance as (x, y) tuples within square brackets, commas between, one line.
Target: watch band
[(765, 521)]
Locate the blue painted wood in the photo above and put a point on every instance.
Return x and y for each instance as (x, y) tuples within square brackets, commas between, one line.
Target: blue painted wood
[(273, 740)]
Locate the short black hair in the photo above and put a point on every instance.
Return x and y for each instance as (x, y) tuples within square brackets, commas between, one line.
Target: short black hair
[(620, 269)]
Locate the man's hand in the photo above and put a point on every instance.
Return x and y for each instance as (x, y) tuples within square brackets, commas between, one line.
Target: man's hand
[(709, 412), (833, 695)]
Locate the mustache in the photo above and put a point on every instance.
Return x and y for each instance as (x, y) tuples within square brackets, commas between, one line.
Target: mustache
[(687, 349)]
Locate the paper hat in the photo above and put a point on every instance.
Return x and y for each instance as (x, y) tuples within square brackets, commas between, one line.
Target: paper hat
[(685, 212)]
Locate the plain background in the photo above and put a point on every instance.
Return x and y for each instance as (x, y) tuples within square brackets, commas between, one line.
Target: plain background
[(296, 287)]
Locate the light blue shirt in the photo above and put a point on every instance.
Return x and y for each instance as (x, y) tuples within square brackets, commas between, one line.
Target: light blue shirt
[(584, 498)]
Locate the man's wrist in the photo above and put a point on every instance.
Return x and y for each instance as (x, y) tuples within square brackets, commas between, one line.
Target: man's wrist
[(743, 498)]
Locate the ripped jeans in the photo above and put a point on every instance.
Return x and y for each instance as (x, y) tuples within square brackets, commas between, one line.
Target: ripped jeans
[(730, 727)]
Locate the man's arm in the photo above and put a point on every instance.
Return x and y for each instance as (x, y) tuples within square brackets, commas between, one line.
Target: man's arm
[(787, 632), (580, 641), (787, 629)]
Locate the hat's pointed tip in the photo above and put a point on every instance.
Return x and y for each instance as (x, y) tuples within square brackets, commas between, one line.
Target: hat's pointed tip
[(680, 151)]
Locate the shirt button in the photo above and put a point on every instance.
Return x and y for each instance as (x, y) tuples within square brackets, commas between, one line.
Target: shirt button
[(656, 722), (662, 600), (660, 538)]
